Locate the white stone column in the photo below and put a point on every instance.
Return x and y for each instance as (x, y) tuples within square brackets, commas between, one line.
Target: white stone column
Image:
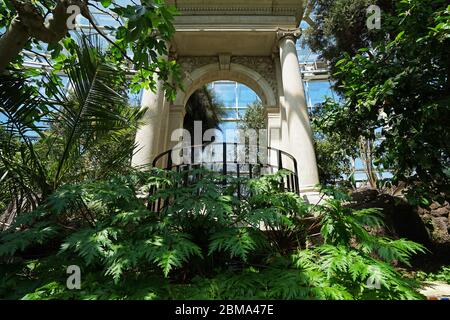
[(165, 118), (299, 137), (176, 120), (151, 131), (284, 143), (274, 128), (172, 135), (274, 134)]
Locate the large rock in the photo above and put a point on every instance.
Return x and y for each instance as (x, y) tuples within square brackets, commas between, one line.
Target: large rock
[(429, 227), (402, 220), (440, 234), (437, 221)]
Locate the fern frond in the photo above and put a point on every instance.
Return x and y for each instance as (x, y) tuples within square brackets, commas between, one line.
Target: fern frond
[(16, 241), (237, 241), (171, 251)]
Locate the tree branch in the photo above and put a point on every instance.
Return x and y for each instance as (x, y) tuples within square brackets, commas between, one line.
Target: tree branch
[(30, 23)]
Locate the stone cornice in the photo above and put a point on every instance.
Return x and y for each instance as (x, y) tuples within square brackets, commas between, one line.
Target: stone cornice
[(254, 10), (237, 7)]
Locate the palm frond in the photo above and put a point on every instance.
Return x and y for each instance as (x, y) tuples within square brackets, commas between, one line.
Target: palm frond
[(90, 111), (21, 168)]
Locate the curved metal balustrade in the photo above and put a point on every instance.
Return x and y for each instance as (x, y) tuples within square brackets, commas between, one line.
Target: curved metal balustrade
[(232, 159)]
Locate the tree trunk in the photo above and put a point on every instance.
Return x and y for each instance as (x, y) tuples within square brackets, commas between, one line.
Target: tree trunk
[(30, 23), (366, 155), (12, 43)]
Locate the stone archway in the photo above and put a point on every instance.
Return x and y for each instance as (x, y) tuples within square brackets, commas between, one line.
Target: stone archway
[(252, 43), (197, 75)]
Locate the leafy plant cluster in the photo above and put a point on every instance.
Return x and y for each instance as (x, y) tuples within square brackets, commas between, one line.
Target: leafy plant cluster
[(333, 154), (254, 117), (203, 105), (443, 275), (48, 140), (396, 90), (137, 40), (204, 242)]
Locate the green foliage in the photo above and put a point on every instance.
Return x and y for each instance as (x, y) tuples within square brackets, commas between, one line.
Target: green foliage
[(203, 243), (193, 235), (340, 26), (140, 40), (254, 118), (253, 123), (355, 274), (340, 224), (443, 275), (333, 153), (404, 103), (203, 105), (47, 142), (238, 242)]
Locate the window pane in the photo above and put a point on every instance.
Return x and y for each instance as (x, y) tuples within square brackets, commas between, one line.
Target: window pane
[(246, 96), (226, 93), (236, 98), (230, 114)]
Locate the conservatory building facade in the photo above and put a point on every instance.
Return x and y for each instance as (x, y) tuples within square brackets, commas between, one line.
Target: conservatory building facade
[(253, 43)]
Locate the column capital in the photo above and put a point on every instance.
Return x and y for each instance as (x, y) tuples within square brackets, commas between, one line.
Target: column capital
[(293, 34)]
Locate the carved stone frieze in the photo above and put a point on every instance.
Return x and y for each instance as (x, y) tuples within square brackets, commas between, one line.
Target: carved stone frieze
[(265, 66), (189, 64), (262, 65)]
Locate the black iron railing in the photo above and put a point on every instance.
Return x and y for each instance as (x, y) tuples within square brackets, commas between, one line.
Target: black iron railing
[(232, 159)]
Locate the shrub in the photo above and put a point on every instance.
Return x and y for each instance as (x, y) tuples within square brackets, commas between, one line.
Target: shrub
[(204, 242)]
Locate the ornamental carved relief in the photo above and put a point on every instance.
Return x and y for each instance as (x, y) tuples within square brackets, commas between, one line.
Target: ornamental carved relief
[(189, 64), (262, 65), (265, 66)]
